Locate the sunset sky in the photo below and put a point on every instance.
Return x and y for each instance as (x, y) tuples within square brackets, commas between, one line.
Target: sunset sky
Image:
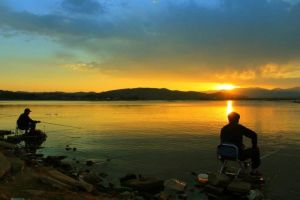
[(97, 45)]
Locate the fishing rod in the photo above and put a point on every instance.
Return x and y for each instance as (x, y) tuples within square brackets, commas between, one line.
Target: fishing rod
[(61, 125)]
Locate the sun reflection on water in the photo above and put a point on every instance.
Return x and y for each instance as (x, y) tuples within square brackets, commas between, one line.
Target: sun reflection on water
[(229, 108)]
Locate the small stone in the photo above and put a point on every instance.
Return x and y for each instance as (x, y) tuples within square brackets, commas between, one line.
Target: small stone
[(182, 196), (149, 184), (128, 177), (74, 149), (213, 189), (139, 198), (66, 167), (103, 175), (89, 163), (165, 196), (54, 160), (126, 195), (123, 189), (255, 195), (194, 174), (111, 185), (92, 178)]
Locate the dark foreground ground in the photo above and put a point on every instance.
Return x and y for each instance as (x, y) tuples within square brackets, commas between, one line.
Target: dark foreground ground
[(281, 170)]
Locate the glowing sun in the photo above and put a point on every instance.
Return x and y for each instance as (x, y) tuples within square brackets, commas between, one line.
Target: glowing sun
[(225, 87)]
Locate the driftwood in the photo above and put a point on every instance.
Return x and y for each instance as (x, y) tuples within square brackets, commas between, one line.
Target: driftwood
[(66, 180), (54, 183)]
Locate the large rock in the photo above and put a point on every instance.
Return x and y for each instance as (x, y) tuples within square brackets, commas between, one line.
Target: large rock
[(5, 165), (150, 184), (92, 178), (54, 160)]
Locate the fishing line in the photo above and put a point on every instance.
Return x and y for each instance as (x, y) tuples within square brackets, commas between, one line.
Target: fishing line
[(4, 116), (61, 125), (59, 130), (269, 154)]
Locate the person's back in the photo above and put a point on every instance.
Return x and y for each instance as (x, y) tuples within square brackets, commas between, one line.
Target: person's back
[(23, 121), (233, 133)]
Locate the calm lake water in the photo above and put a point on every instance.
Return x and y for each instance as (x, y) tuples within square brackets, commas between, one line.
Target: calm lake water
[(164, 139)]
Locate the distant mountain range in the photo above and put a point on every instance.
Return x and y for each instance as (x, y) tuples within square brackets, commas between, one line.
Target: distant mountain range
[(156, 94), (261, 93)]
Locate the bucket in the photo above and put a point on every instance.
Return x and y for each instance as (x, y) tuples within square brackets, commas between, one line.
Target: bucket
[(203, 178)]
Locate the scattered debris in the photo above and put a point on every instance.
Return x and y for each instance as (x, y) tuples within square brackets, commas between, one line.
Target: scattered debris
[(227, 186)]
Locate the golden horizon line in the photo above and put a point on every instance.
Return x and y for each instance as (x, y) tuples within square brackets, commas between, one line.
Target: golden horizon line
[(211, 90)]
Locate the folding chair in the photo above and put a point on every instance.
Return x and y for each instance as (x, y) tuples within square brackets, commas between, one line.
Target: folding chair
[(230, 152)]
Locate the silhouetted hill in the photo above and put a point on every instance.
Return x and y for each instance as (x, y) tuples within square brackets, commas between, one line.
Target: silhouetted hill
[(277, 93), (155, 94)]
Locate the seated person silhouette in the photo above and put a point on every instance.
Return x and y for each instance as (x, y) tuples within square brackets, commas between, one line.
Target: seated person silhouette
[(24, 122), (233, 133)]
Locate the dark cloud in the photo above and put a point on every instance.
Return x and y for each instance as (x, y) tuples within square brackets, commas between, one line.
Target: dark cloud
[(181, 38), (82, 6)]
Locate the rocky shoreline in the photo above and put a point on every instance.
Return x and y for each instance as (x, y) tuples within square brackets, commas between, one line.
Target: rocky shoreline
[(26, 174), (24, 177)]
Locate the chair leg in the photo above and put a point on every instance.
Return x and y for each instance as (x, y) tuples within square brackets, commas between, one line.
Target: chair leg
[(223, 166), (239, 170), (243, 166)]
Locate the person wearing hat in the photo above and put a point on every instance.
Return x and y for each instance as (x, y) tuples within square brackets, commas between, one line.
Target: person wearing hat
[(233, 133), (24, 122)]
